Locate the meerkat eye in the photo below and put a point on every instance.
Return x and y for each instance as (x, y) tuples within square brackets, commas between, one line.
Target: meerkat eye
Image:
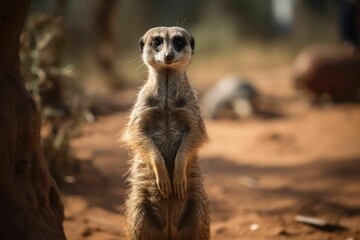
[(157, 41), (179, 43)]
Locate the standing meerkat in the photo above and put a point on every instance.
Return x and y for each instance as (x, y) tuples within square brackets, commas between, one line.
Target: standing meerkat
[(166, 199)]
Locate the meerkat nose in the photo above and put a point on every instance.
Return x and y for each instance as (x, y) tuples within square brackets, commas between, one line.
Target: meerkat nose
[(169, 56)]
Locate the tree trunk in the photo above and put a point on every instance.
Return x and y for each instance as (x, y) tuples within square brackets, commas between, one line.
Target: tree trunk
[(30, 206), (105, 32)]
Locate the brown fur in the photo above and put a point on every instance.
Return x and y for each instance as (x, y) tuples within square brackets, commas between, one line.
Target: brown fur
[(166, 198)]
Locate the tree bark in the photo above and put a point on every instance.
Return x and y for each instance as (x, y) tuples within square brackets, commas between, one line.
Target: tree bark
[(30, 206), (105, 32)]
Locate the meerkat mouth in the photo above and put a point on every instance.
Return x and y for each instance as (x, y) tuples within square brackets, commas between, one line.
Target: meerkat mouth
[(171, 62)]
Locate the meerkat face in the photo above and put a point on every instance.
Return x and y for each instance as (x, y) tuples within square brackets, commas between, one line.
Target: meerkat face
[(167, 47)]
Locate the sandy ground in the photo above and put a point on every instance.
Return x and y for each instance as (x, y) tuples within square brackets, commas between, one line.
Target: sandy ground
[(260, 172)]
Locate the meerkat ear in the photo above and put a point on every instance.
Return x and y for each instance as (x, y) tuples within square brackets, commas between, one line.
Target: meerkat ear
[(141, 44), (192, 42)]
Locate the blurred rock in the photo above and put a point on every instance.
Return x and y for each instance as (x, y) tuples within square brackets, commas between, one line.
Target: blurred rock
[(231, 97), (319, 223), (310, 220), (328, 71)]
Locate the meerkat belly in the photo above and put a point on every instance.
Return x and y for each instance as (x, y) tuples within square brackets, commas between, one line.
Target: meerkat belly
[(167, 132)]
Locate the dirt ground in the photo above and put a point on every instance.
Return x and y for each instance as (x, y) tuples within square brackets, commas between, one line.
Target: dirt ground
[(260, 173)]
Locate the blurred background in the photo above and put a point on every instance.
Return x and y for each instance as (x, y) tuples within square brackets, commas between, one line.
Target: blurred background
[(278, 83)]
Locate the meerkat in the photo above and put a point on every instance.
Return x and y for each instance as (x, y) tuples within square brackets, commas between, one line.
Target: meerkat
[(166, 198)]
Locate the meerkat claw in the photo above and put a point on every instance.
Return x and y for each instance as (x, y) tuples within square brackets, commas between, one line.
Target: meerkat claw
[(164, 187)]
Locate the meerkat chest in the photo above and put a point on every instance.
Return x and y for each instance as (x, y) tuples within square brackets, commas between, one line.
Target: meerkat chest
[(168, 107), (168, 115), (168, 124)]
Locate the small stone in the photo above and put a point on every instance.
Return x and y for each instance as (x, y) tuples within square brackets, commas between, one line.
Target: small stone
[(310, 220), (254, 227)]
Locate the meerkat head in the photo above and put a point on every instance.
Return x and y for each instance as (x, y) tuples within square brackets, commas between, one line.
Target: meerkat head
[(167, 47)]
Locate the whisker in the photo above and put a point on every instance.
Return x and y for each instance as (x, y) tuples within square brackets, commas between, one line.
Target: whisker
[(132, 52), (131, 60), (138, 68), (182, 23)]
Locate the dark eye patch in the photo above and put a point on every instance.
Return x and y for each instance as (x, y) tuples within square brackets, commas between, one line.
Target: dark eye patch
[(157, 42), (179, 43)]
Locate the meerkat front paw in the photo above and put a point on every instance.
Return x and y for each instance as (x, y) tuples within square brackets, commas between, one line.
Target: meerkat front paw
[(164, 184), (180, 185)]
